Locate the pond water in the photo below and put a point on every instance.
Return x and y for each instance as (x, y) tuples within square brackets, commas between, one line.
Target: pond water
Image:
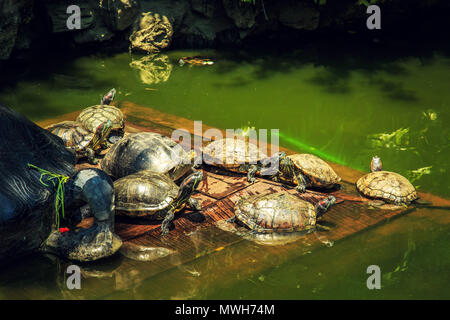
[(344, 104)]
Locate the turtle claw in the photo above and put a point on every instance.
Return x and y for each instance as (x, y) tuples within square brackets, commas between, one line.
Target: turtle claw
[(300, 188)]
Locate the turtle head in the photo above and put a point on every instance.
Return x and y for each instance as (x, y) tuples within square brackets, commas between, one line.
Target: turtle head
[(375, 164), (323, 205), (107, 98), (188, 187), (102, 132)]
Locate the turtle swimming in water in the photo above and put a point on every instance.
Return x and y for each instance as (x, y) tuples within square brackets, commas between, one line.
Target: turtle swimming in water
[(236, 155), (82, 141), (90, 118), (147, 151), (276, 216), (195, 61), (385, 185), (155, 196), (306, 170), (28, 196)]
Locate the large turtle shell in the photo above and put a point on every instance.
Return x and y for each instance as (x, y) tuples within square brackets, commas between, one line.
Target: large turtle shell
[(317, 170), (146, 150), (277, 212), (92, 117), (144, 194), (231, 153), (72, 133), (386, 185)]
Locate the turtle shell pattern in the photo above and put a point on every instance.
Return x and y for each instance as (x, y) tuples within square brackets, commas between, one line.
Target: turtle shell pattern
[(277, 212), (146, 150), (231, 153), (144, 194), (72, 133), (92, 117), (386, 185), (318, 171)]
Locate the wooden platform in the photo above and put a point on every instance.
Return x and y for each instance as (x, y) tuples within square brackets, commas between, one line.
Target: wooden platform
[(190, 240)]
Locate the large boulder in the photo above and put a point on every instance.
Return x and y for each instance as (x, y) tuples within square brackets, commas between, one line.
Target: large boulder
[(13, 15), (298, 15), (242, 13), (151, 33), (119, 14)]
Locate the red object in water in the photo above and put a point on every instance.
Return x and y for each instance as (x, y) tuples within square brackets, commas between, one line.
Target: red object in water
[(63, 230)]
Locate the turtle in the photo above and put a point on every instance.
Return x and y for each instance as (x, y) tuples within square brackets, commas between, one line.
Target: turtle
[(275, 217), (83, 142), (91, 117), (153, 195), (147, 150), (28, 195), (237, 155), (196, 61), (387, 186), (306, 170)]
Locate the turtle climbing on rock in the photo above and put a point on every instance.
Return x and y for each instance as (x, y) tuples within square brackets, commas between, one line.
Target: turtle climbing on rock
[(91, 117), (306, 170), (387, 186), (152, 195), (28, 196), (82, 141)]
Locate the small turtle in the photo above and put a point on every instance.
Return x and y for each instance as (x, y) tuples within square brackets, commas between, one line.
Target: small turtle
[(147, 150), (385, 185), (236, 155), (155, 196), (276, 218), (196, 61), (93, 116), (83, 142), (306, 170)]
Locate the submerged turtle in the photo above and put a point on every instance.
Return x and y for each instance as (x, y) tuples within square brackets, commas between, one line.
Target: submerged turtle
[(28, 196), (147, 150), (91, 117), (385, 185), (278, 216), (306, 170), (83, 142), (155, 196), (196, 61), (236, 155)]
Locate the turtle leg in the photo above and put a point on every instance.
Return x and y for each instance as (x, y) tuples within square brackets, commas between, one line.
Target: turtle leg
[(91, 156), (166, 222), (252, 173), (301, 182), (232, 219), (195, 204)]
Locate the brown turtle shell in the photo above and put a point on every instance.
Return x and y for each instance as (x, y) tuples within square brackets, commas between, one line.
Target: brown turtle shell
[(144, 194), (231, 153), (92, 117), (277, 212), (72, 133), (386, 185), (146, 150), (318, 171)]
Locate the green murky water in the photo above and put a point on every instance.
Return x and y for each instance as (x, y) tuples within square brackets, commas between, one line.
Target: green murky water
[(344, 106)]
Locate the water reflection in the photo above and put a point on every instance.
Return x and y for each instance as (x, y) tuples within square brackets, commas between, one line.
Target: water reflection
[(153, 69)]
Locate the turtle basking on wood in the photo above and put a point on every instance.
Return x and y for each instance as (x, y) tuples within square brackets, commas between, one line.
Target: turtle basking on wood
[(236, 155), (306, 170), (29, 195), (82, 141), (277, 217), (152, 195), (90, 118), (147, 151), (387, 186)]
